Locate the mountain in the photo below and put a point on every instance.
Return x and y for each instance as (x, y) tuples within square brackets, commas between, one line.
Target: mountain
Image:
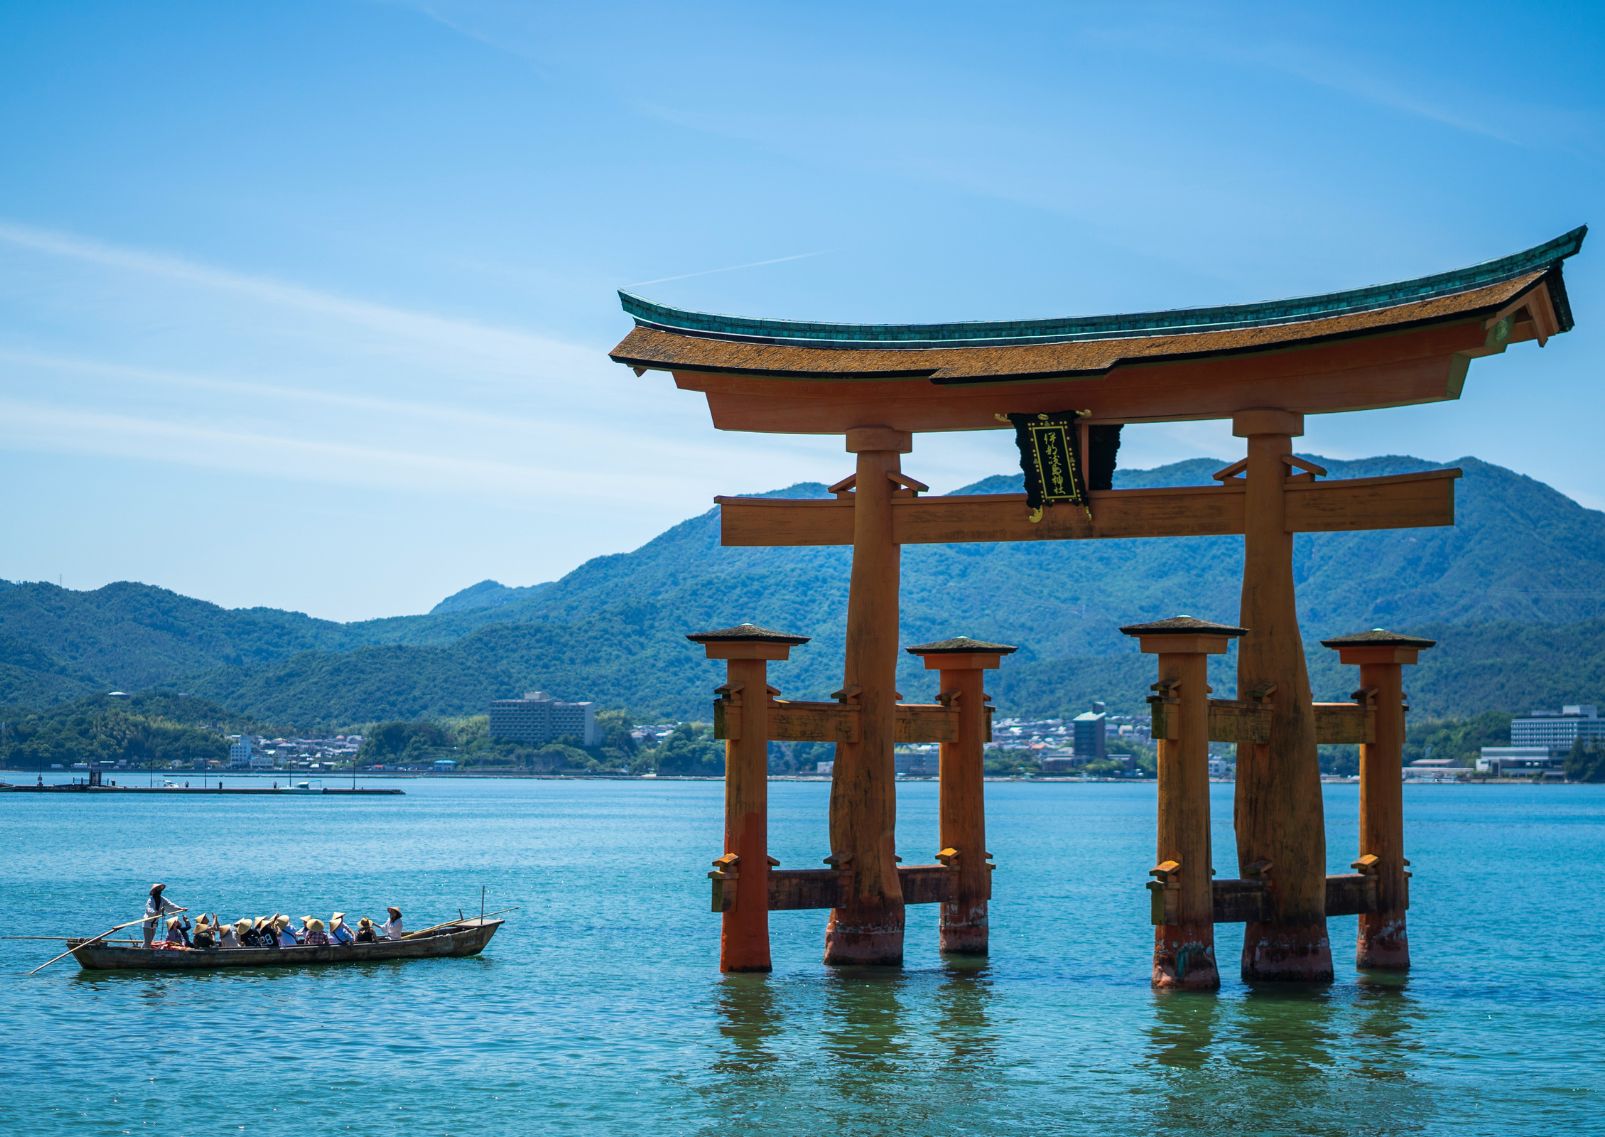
[(1516, 592), (485, 594)]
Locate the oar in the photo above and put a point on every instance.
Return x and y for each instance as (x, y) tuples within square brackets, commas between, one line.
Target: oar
[(96, 940), (458, 920)]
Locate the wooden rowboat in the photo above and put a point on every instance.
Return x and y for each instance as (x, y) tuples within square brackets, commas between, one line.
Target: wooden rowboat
[(463, 938)]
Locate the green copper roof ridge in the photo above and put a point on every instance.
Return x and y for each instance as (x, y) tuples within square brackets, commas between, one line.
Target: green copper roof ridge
[(994, 333)]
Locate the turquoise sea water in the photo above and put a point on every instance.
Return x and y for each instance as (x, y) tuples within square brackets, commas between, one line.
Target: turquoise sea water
[(599, 1007)]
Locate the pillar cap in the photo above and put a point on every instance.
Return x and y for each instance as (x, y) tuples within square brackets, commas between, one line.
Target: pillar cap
[(1379, 637), (1183, 626), (746, 633), (961, 645)]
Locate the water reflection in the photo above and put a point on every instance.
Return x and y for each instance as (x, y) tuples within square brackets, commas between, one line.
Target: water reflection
[(1288, 1060), (1183, 1028), (964, 1024), (1386, 1025), (749, 1019), (845, 1051), (1181, 1038)]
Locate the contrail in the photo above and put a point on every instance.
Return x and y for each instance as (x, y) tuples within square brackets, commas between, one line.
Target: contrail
[(729, 268)]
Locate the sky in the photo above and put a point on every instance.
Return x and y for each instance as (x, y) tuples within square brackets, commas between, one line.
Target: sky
[(308, 305)]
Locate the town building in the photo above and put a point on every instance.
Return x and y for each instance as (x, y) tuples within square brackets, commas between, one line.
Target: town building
[(539, 718), (1558, 729), (1522, 761), (1091, 738), (917, 761), (1435, 770)]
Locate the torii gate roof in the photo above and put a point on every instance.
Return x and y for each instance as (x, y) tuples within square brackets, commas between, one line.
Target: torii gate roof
[(1386, 345)]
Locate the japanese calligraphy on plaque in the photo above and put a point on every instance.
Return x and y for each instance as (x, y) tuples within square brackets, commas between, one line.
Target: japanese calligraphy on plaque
[(1050, 458)]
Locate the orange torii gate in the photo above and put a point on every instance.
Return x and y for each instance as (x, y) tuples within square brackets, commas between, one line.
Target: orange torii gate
[(1264, 367)]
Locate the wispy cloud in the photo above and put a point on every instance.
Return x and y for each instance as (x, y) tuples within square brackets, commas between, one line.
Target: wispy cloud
[(469, 343), (728, 268), (75, 366), (35, 426)]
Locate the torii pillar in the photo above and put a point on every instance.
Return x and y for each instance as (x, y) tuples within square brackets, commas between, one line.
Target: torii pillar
[(962, 663), (744, 865), (1384, 944), (867, 928), (1280, 823), (1184, 920)]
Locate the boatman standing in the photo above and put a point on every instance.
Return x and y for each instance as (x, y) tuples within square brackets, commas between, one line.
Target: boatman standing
[(156, 906)]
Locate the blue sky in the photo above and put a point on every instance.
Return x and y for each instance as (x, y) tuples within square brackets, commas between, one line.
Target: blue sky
[(308, 305)]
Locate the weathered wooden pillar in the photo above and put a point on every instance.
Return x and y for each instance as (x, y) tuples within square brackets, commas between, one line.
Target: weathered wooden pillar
[(1184, 900), (741, 875), (1384, 944), (962, 664), (868, 926), (1279, 819)]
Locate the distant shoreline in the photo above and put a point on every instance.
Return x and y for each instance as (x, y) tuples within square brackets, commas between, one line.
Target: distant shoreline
[(338, 781)]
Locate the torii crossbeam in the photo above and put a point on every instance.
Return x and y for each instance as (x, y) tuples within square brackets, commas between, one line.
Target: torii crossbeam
[(1263, 366)]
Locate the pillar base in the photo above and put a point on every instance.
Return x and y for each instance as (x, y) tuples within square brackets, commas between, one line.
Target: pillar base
[(1384, 944), (868, 938), (964, 929), (1184, 958), (750, 968), (1287, 953), (741, 954)]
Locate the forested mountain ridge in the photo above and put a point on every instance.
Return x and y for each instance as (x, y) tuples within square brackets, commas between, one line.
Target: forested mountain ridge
[(1516, 590)]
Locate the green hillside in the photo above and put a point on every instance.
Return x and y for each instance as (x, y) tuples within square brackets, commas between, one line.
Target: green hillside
[(1516, 592)]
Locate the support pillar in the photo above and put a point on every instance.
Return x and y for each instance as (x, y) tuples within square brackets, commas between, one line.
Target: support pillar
[(962, 664), (743, 870), (868, 926), (1384, 944), (1278, 812), (1184, 900)]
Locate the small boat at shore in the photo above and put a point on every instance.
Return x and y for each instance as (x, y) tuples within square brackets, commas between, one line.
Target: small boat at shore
[(461, 938)]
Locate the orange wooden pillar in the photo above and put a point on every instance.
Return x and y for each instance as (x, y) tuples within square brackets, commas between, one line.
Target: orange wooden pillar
[(1278, 811), (962, 664), (1384, 944), (744, 867), (867, 928), (1184, 899)]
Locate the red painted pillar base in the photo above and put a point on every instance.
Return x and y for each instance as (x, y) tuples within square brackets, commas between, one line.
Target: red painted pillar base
[(1287, 953), (1384, 943), (1184, 958)]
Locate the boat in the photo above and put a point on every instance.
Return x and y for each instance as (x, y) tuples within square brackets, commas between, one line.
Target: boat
[(461, 938)]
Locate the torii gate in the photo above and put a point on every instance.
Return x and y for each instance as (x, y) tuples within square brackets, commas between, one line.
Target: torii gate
[(1264, 366)]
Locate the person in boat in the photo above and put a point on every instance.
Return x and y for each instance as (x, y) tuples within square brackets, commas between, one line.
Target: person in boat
[(316, 936), (338, 932), (286, 935), (391, 928), (203, 939), (267, 935), (156, 906), (228, 935), (365, 932), (177, 932)]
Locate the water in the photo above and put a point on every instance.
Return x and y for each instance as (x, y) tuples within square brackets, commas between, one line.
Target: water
[(599, 1007)]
